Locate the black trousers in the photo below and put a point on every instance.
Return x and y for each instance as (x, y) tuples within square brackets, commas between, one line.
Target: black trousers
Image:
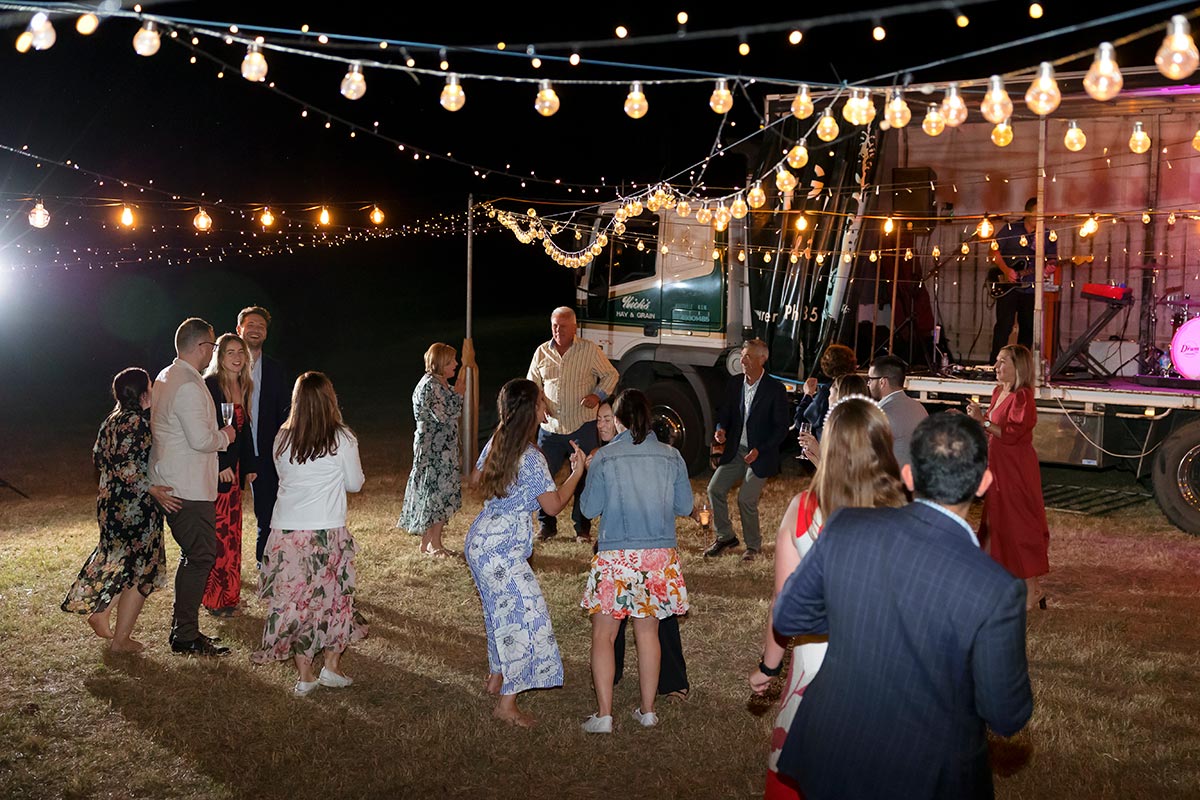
[(264, 488), (556, 447), (1015, 306), (672, 677), (194, 527)]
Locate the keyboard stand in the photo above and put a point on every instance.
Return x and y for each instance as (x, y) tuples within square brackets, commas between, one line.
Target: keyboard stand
[(1079, 347)]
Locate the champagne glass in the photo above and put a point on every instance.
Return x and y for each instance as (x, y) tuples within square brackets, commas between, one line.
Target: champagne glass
[(705, 514), (805, 427), (227, 413)]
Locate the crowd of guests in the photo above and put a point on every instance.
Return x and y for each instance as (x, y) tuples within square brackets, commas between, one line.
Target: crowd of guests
[(907, 620)]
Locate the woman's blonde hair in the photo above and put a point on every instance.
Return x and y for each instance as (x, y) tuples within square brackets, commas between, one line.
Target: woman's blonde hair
[(1022, 364), (438, 356), (314, 421), (858, 468), (229, 380)]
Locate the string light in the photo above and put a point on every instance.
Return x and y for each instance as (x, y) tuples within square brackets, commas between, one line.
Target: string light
[(254, 64), (621, 31), (802, 104), (1090, 226), (202, 221), (797, 157), (1043, 95), (267, 219), (43, 32), (795, 37), (1145, 217), (739, 209), (966, 249), (889, 225), (756, 197), (1052, 236), (801, 223), (878, 33), (354, 84), (24, 41), (127, 216), (954, 108), (896, 112), (704, 214), (324, 217), (682, 17), (785, 181), (684, 208), (1074, 139), (962, 20), (1171, 218), (86, 24), (636, 104), (985, 228), (743, 48), (1002, 134), (934, 123), (936, 252), (827, 127), (1177, 58), (1139, 140), (546, 103), (721, 217), (453, 97), (997, 105), (1196, 140), (146, 41), (1036, 10), (1103, 80), (39, 217), (722, 99)]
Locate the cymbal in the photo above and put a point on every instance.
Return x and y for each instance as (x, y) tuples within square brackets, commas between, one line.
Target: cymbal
[(1183, 303)]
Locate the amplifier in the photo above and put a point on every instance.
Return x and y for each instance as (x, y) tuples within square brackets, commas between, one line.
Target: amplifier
[(1118, 356)]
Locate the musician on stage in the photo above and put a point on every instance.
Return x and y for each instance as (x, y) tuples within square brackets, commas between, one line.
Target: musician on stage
[(1015, 261)]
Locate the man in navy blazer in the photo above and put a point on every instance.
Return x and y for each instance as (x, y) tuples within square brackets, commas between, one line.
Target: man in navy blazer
[(926, 638), (752, 422), (269, 403)]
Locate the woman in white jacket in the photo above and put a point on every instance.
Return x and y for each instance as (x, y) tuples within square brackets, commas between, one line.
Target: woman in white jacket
[(308, 566)]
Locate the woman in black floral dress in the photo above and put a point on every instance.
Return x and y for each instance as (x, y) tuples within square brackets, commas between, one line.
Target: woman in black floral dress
[(125, 566)]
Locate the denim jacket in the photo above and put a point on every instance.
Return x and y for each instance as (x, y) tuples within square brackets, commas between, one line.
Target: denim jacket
[(639, 489)]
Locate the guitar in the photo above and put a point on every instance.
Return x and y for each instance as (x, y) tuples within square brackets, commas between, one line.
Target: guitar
[(998, 285)]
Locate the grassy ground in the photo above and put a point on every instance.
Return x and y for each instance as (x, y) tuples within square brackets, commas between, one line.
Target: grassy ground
[(1113, 665)]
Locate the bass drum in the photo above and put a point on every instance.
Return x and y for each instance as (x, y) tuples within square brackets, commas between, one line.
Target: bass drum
[(1185, 349)]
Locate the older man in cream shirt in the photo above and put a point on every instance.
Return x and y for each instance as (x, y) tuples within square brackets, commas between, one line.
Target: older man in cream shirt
[(184, 457)]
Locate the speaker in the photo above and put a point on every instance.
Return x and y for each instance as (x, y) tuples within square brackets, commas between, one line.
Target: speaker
[(913, 195)]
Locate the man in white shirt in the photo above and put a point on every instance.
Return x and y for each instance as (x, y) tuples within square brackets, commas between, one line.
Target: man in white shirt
[(885, 380), (184, 457), (575, 376)]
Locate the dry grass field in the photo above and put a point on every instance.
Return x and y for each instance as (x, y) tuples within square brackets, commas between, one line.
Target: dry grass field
[(1114, 664)]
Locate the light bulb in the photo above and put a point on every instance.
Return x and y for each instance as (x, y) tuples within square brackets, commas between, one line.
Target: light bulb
[(888, 225), (743, 48), (954, 108), (897, 112), (802, 223), (1043, 95), (683, 208), (1023, 241), (934, 123), (873, 257), (44, 35), (797, 157), (936, 252), (24, 42), (996, 106), (1002, 134), (1036, 10), (795, 37), (127, 216), (39, 217), (1103, 80), (1139, 140), (1052, 236), (546, 103), (641, 245), (267, 219), (1145, 217), (635, 208), (827, 128), (453, 97), (354, 85), (202, 221), (323, 217), (86, 24), (254, 65), (966, 249), (704, 214), (962, 20), (146, 41), (635, 102), (757, 198), (1171, 218), (1074, 139), (376, 216), (802, 104), (1177, 58), (721, 216), (878, 33), (784, 181), (722, 99), (908, 254), (850, 111), (739, 208), (652, 203), (985, 228), (602, 240)]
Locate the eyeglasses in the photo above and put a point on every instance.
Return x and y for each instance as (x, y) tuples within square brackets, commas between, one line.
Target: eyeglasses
[(210, 344), (875, 378)]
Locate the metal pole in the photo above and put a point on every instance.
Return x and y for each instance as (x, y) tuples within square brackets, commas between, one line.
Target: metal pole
[(1039, 258), (469, 426), (895, 287)]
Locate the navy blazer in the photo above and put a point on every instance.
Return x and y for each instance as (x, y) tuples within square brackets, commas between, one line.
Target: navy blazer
[(926, 649), (766, 428), (274, 400), (241, 452)]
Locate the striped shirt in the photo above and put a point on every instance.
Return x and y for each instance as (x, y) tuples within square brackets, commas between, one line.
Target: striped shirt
[(567, 379)]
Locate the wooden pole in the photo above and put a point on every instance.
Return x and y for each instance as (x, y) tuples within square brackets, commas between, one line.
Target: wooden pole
[(469, 424), (1039, 259)]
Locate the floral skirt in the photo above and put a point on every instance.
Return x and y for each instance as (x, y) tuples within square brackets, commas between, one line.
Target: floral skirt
[(127, 556), (308, 584), (636, 583)]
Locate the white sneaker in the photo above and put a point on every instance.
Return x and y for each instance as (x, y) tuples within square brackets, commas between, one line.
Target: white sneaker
[(647, 720), (305, 688), (594, 724), (332, 680)]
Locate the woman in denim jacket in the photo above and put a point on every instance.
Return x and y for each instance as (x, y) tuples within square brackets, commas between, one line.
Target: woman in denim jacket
[(638, 486)]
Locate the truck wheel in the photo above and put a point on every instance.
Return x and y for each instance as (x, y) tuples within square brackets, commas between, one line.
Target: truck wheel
[(1176, 477), (675, 420)]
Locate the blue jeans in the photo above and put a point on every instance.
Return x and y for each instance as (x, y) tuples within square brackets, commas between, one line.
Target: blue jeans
[(556, 447)]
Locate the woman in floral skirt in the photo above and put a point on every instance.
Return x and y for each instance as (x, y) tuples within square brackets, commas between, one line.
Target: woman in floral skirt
[(639, 486), (434, 490), (308, 564), (228, 381), (515, 482), (125, 566)]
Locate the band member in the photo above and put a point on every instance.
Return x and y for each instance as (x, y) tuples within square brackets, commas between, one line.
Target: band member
[(1015, 264)]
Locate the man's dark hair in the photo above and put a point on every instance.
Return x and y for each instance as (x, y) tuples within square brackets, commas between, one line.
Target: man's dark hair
[(949, 457), (890, 367), (1031, 204), (259, 310)]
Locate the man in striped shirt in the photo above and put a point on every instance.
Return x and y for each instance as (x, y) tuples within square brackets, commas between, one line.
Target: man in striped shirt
[(575, 376)]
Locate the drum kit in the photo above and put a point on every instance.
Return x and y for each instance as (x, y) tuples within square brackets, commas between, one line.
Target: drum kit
[(1181, 359)]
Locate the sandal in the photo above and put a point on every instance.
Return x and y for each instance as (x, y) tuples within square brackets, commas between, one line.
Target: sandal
[(440, 552), (679, 694)]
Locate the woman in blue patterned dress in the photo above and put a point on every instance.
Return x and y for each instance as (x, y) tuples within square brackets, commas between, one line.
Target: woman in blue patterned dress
[(515, 481), (434, 490)]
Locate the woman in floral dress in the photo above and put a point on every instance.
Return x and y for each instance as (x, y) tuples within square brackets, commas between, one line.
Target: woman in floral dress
[(515, 481), (125, 566), (640, 486), (434, 490), (228, 381), (308, 564)]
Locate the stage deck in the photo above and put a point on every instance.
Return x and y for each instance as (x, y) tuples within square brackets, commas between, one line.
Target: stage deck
[(1120, 391)]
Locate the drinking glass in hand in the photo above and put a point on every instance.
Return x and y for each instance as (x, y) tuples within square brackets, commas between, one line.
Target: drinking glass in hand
[(704, 514), (805, 427), (227, 413)]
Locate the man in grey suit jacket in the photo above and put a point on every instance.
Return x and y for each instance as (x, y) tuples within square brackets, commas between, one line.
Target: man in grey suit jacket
[(926, 638), (885, 379)]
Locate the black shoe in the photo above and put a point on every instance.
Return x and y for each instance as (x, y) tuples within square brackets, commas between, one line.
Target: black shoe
[(720, 546), (209, 639), (200, 646), (546, 532)]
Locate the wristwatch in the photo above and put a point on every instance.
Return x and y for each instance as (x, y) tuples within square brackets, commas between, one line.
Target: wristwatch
[(987, 423)]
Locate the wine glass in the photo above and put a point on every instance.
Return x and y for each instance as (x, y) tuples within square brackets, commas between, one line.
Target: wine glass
[(705, 514), (805, 427), (227, 413)]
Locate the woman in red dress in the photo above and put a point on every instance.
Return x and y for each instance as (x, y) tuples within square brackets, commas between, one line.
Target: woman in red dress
[(1014, 529), (228, 380)]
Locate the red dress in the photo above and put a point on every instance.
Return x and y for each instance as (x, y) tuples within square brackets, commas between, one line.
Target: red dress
[(1014, 529), (224, 587)]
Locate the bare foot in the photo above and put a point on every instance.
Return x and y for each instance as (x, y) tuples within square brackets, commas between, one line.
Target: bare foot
[(127, 646), (493, 683), (99, 624), (515, 717)]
